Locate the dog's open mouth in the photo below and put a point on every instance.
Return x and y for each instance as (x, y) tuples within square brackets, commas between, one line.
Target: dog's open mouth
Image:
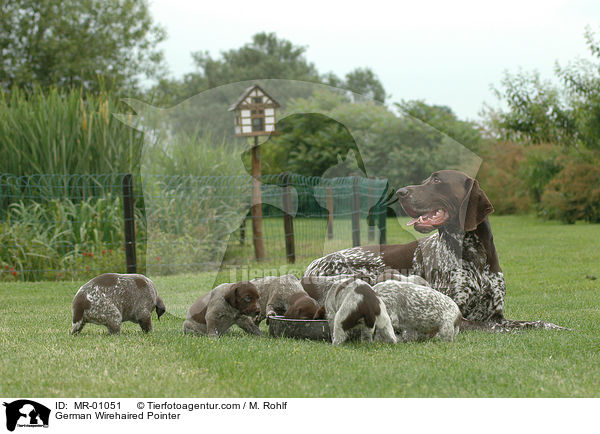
[(428, 221)]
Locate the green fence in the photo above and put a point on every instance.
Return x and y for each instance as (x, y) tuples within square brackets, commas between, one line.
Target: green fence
[(72, 226)]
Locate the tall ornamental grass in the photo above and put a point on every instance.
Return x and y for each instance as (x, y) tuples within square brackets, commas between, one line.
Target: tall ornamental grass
[(65, 132), (62, 239)]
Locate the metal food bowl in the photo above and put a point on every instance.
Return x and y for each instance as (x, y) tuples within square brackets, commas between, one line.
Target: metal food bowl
[(315, 329)]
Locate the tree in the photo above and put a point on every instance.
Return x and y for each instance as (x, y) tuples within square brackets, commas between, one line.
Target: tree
[(442, 118), (537, 113), (582, 86), (91, 44), (309, 144), (365, 82), (266, 56), (400, 148), (541, 112)]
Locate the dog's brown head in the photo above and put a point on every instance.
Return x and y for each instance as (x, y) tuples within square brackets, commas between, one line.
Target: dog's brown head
[(302, 307), (243, 296), (448, 200)]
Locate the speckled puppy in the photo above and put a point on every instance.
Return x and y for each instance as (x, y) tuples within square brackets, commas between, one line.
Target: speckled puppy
[(110, 299), (419, 311), (319, 286), (353, 310), (277, 294), (224, 306)]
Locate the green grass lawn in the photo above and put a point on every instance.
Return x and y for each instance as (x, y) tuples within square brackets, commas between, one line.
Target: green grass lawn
[(551, 272)]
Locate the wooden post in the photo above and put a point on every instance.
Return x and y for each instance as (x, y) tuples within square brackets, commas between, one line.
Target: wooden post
[(371, 215), (355, 213), (329, 213), (129, 220), (382, 211), (243, 232), (257, 226), (288, 221)]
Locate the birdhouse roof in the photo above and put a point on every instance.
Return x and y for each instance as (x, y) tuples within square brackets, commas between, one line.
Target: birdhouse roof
[(247, 92)]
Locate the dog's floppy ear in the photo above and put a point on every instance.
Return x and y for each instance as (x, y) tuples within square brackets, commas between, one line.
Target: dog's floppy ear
[(475, 206), (320, 314), (232, 296), (160, 307)]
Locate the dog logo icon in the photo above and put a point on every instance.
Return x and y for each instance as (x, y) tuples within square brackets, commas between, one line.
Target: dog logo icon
[(26, 413)]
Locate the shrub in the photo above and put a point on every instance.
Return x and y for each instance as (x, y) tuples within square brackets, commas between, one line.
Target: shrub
[(500, 178), (543, 163), (574, 194)]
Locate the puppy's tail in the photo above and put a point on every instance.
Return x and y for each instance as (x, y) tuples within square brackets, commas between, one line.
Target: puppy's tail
[(160, 307), (80, 305)]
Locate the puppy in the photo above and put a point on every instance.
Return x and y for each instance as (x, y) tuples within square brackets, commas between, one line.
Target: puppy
[(226, 305), (318, 287), (419, 311), (353, 311), (110, 299), (277, 294), (302, 307)]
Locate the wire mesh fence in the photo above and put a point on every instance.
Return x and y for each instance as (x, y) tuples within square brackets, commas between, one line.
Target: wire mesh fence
[(55, 227)]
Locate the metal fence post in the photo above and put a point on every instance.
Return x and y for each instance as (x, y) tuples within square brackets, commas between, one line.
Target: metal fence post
[(288, 221), (129, 221), (355, 213)]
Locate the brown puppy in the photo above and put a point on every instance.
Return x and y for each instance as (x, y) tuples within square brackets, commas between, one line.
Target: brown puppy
[(302, 306), (110, 299), (226, 305)]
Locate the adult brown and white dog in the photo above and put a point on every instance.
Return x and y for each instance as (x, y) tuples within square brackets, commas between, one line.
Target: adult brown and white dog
[(459, 260), (226, 305), (109, 299), (354, 311)]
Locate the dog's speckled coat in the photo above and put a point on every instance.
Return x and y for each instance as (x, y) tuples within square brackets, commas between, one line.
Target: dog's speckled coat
[(110, 299), (419, 311)]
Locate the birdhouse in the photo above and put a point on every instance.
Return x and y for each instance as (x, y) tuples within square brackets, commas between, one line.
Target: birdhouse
[(254, 112)]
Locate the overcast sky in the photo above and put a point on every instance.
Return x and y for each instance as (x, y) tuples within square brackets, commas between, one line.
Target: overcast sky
[(445, 52)]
